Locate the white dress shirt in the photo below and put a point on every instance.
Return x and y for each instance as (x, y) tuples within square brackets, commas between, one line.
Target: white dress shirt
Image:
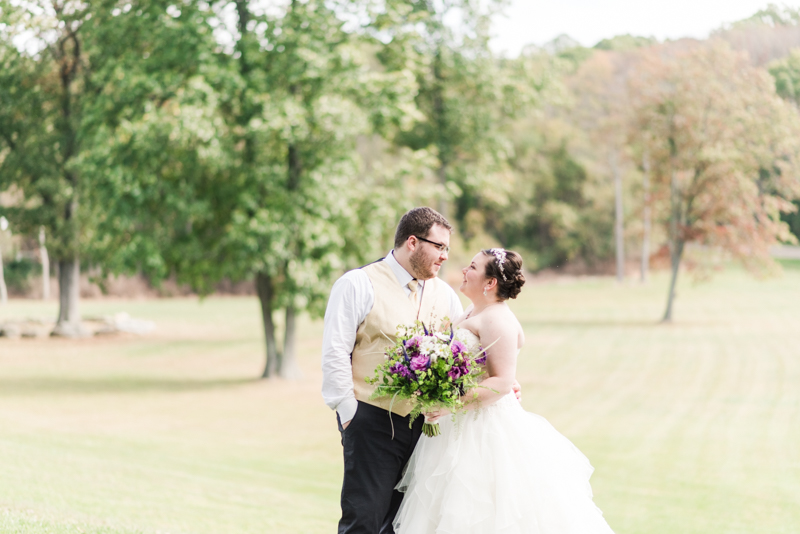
[(352, 297)]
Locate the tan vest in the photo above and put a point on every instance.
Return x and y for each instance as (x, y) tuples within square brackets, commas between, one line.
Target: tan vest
[(390, 309)]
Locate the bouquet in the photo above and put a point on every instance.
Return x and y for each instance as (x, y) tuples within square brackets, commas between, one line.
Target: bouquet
[(432, 369)]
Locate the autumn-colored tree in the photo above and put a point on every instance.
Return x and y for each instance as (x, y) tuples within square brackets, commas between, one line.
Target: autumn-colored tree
[(724, 151), (769, 34)]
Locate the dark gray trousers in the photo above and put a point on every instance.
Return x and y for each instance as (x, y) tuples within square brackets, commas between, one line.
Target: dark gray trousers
[(373, 465)]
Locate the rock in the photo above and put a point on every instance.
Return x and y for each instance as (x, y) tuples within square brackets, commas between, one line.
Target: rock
[(107, 330), (10, 330), (71, 330), (125, 323), (32, 331)]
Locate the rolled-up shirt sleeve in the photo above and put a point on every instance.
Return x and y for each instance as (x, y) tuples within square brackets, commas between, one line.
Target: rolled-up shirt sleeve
[(350, 301)]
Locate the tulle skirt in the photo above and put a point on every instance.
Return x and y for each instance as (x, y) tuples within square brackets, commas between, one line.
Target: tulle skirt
[(498, 470)]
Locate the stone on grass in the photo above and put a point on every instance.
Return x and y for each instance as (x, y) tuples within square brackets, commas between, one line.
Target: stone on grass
[(10, 330), (70, 330)]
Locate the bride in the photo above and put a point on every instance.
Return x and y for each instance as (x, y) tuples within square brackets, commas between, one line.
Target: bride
[(497, 468)]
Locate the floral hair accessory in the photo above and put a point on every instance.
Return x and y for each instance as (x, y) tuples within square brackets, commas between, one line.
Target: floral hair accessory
[(500, 257)]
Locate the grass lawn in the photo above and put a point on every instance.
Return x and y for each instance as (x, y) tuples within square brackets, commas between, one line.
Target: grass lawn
[(692, 427)]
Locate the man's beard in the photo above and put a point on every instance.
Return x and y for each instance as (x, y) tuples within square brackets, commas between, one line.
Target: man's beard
[(422, 271)]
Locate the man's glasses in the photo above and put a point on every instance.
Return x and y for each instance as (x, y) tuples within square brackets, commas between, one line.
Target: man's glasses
[(439, 246)]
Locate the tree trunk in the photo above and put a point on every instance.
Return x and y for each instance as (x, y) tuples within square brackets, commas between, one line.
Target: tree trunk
[(440, 120), (3, 288), (289, 368), (69, 318), (295, 168), (676, 263), (675, 241), (265, 294), (619, 228), (45, 266), (442, 175), (645, 266)]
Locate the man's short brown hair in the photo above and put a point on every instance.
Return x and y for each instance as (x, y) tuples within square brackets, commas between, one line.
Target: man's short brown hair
[(418, 222)]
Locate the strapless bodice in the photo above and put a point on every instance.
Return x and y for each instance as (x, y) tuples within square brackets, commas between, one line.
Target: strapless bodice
[(468, 338)]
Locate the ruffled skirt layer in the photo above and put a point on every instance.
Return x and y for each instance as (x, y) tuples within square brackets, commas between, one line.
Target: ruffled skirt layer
[(498, 470)]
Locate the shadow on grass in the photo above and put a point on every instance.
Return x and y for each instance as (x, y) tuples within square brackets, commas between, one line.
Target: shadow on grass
[(102, 385)]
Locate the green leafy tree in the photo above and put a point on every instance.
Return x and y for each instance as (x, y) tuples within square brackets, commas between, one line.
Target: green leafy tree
[(291, 204), (626, 42), (548, 210), (567, 164), (786, 73), (465, 96), (74, 77), (560, 210)]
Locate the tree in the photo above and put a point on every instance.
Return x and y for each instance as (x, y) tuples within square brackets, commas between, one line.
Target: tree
[(549, 212), (644, 268), (465, 96), (625, 42), (723, 149), (768, 35), (290, 204), (45, 266), (786, 73), (556, 205), (603, 112), (72, 75), (3, 288)]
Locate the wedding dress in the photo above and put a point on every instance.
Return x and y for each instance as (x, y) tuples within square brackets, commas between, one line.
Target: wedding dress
[(497, 470)]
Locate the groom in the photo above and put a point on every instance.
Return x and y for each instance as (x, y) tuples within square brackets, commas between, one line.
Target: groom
[(366, 305)]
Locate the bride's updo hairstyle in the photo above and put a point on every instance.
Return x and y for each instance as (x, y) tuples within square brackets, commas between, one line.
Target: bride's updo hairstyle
[(506, 267)]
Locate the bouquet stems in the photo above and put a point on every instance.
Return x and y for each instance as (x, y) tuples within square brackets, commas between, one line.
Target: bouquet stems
[(431, 429)]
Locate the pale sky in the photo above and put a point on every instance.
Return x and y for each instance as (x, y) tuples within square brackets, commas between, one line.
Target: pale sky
[(589, 21)]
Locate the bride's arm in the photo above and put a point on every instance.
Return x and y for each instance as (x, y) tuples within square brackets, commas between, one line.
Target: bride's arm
[(501, 363)]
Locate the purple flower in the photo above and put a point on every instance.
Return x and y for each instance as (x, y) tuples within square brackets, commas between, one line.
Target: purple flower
[(480, 360), (458, 370), (457, 347), (418, 363), (413, 343), (400, 370)]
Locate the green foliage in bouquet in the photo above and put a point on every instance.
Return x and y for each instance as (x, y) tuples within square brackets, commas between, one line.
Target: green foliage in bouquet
[(432, 369)]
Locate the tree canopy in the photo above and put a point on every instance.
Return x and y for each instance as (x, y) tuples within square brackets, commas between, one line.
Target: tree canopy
[(279, 143)]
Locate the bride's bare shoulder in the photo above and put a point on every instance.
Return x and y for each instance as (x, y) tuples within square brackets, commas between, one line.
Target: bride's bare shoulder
[(502, 321)]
